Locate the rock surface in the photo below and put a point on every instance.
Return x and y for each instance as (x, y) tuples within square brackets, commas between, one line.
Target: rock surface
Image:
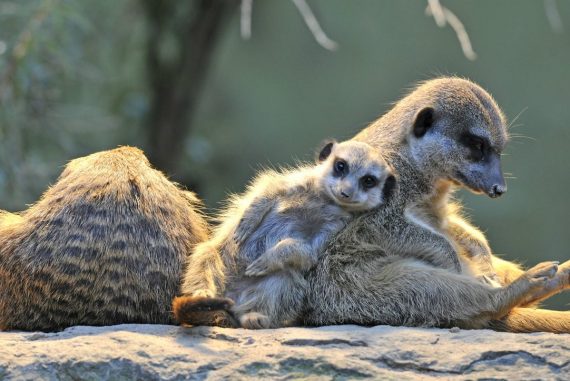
[(148, 352)]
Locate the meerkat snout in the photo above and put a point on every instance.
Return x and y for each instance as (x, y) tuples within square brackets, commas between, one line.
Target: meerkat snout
[(346, 190), (498, 190)]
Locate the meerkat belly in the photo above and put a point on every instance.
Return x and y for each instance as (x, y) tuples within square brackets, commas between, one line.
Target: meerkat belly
[(301, 219)]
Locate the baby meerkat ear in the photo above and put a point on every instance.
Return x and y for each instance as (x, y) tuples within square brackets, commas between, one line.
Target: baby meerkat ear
[(389, 187), (326, 150), (423, 121)]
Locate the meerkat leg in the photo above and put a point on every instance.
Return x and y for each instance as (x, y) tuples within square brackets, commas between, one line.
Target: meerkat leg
[(559, 283), (203, 281), (289, 252), (271, 302), (475, 246), (254, 320), (531, 283), (412, 293), (205, 273), (506, 271), (195, 310)]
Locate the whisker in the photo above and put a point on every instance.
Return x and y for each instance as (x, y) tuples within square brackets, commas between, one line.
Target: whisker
[(510, 125), (520, 136)]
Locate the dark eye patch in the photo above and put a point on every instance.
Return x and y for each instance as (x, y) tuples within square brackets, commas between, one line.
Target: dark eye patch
[(368, 181), (340, 167), (478, 146)]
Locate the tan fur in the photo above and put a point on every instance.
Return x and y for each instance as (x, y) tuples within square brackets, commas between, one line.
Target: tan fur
[(106, 244), (360, 279)]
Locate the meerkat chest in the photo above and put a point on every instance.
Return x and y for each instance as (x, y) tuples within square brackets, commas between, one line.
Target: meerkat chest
[(303, 217), (425, 217), (309, 215)]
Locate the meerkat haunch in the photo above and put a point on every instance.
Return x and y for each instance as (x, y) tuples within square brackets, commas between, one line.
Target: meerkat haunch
[(271, 235), (106, 244), (448, 132)]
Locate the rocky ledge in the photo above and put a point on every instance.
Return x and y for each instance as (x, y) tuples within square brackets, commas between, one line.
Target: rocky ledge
[(148, 352)]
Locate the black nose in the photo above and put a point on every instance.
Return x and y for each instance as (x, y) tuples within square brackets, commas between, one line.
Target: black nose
[(498, 190), (345, 195)]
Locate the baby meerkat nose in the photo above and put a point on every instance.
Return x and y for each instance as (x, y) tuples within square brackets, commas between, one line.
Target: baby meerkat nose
[(344, 194)]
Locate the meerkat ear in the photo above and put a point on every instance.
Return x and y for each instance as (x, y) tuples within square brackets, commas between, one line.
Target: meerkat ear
[(389, 187), (423, 121), (326, 151)]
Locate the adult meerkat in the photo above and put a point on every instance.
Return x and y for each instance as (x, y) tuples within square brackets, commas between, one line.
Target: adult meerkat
[(270, 236), (106, 244), (448, 132)]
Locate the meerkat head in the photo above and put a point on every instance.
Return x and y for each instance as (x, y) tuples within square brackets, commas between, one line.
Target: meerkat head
[(458, 134), (354, 175)]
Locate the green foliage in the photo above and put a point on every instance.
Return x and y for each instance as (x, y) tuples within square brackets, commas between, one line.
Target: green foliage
[(70, 84)]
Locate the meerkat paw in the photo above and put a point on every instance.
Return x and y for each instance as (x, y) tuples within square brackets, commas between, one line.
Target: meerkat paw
[(254, 320), (195, 310), (564, 272), (491, 280), (259, 267), (542, 272), (240, 235)]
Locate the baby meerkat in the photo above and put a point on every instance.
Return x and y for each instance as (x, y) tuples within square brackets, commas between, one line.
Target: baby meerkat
[(272, 234)]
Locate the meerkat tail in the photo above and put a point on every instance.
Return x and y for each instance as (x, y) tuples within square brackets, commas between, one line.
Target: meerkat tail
[(533, 320), (197, 310)]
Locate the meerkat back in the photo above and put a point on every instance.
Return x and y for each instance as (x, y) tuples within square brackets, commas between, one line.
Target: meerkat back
[(105, 245)]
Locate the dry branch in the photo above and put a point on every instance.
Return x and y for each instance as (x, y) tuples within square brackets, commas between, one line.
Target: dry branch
[(553, 16), (245, 20), (305, 11), (314, 25), (444, 16)]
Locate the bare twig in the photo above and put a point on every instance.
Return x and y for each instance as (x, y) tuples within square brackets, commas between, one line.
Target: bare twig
[(444, 16), (245, 20), (314, 25), (307, 14), (553, 16), (437, 12)]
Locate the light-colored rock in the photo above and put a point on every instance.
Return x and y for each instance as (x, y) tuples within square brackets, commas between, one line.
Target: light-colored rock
[(148, 352)]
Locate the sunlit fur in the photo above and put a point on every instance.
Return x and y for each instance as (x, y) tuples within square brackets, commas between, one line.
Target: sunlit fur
[(270, 236), (361, 279), (106, 244)]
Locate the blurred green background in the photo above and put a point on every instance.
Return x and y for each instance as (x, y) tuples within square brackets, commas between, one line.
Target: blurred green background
[(78, 77)]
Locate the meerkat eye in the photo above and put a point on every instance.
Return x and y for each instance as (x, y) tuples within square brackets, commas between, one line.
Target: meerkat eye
[(340, 167), (368, 181), (477, 146)]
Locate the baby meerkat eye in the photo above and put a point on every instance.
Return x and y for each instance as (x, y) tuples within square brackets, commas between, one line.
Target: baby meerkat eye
[(340, 167), (368, 181)]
